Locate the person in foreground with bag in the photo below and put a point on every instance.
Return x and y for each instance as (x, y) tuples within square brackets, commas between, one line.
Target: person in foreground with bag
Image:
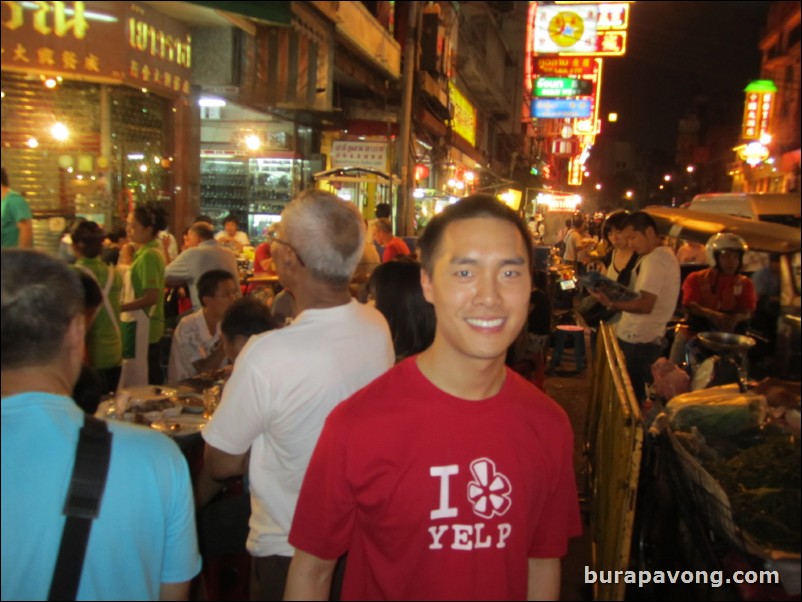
[(620, 262), (643, 322), (129, 533)]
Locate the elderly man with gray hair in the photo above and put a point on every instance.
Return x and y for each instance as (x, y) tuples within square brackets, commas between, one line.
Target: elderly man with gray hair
[(204, 254), (285, 382)]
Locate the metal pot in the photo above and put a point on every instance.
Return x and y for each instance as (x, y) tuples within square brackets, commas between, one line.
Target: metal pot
[(724, 342)]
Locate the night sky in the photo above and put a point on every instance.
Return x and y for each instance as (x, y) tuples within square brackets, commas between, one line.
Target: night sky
[(678, 50)]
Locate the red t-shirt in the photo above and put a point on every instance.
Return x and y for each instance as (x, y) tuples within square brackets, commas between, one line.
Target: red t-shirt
[(720, 292), (262, 252), (394, 248), (436, 497)]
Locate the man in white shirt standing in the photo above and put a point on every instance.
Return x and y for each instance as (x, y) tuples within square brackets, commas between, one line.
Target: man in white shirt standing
[(197, 346), (641, 330), (203, 255), (286, 381)]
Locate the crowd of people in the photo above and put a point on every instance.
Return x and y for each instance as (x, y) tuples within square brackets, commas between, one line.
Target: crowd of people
[(427, 350), (383, 423), (709, 293)]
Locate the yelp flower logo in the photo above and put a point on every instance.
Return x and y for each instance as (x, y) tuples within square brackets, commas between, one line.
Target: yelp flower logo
[(490, 490)]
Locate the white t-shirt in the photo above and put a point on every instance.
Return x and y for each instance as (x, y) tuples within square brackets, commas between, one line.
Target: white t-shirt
[(192, 341), (241, 237), (572, 242), (658, 273), (285, 383), (172, 246)]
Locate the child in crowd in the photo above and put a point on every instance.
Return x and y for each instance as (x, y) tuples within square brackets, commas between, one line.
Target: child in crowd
[(245, 317), (197, 346)]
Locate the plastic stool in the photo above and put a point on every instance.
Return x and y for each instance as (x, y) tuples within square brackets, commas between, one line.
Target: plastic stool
[(561, 336)]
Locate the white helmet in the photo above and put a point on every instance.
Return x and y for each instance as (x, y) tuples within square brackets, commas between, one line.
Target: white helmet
[(724, 241)]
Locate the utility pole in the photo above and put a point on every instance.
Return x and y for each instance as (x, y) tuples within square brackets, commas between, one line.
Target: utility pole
[(405, 216)]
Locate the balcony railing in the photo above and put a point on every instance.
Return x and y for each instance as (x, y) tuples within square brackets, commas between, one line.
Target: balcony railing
[(362, 32)]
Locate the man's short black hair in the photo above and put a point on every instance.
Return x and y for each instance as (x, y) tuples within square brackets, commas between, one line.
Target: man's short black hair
[(4, 177), (476, 205), (231, 218), (209, 281), (640, 221), (40, 297), (246, 316), (384, 210)]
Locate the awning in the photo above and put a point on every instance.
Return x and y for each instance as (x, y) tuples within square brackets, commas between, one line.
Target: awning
[(274, 12), (700, 226), (352, 174)]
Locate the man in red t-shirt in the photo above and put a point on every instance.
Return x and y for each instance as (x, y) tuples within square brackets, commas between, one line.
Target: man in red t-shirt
[(450, 476), (718, 298), (393, 246), (262, 261)]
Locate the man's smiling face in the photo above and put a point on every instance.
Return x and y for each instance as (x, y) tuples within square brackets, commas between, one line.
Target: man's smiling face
[(480, 286)]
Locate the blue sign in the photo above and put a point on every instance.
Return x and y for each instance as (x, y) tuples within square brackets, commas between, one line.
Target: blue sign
[(553, 108)]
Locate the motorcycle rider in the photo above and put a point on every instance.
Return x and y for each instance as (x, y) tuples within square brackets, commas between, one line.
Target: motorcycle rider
[(718, 298)]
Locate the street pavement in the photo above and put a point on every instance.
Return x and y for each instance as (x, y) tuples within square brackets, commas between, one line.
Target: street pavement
[(572, 392)]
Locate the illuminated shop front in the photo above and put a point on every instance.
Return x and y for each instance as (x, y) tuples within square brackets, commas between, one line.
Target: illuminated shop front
[(94, 95), (248, 165), (360, 170)]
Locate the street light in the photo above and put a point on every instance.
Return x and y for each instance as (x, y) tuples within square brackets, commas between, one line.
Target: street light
[(667, 177), (690, 169), (629, 194)]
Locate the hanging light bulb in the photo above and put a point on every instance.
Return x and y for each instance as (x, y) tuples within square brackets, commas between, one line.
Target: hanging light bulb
[(59, 131), (253, 142)]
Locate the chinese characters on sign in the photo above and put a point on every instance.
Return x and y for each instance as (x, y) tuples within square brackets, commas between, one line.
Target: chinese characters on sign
[(464, 122), (563, 66), (370, 155), (757, 114), (87, 40), (587, 29)]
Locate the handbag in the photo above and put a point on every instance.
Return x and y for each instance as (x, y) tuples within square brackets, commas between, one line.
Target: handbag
[(92, 458)]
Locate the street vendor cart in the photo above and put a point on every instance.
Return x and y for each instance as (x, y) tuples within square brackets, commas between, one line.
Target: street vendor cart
[(707, 493)]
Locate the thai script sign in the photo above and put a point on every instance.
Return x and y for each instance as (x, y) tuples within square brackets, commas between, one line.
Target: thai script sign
[(547, 108), (562, 86), (356, 153)]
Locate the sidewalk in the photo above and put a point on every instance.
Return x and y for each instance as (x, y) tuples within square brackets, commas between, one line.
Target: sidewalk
[(572, 393)]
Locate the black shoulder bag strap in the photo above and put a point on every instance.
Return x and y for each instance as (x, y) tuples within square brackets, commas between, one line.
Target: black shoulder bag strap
[(625, 275), (89, 473)]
